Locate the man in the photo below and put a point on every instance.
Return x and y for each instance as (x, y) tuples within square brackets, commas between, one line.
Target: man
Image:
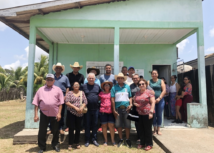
[(108, 76), (121, 105), (134, 88), (49, 100), (96, 73), (62, 82), (75, 76), (91, 91), (131, 71), (124, 71)]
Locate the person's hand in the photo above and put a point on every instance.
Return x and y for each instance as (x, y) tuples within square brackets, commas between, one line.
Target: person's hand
[(79, 111), (157, 100), (64, 97), (115, 114), (129, 108), (136, 104), (36, 119), (150, 115), (58, 117)]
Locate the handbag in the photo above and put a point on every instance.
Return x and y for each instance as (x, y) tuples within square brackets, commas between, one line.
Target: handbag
[(85, 109)]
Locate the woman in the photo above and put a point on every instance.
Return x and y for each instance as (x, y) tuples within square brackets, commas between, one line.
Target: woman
[(106, 116), (166, 99), (173, 91), (145, 103), (186, 97), (74, 113), (159, 87)]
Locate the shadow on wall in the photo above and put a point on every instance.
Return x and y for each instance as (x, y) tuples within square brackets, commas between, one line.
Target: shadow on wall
[(193, 75)]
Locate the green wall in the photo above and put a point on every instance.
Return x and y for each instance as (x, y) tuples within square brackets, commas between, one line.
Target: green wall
[(139, 56)]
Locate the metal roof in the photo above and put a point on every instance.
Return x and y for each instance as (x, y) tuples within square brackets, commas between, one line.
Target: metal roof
[(18, 18)]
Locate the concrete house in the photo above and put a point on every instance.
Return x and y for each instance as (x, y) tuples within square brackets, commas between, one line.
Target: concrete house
[(139, 33)]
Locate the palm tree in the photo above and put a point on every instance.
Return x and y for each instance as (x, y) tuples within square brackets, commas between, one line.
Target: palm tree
[(5, 82), (41, 70)]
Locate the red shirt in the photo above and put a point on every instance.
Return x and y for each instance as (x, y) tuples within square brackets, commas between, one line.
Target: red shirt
[(48, 99), (143, 99), (105, 105)]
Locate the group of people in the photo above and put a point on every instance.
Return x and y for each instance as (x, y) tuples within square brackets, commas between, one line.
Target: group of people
[(75, 102)]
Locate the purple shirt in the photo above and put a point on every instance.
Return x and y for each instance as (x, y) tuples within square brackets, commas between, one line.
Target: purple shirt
[(48, 100)]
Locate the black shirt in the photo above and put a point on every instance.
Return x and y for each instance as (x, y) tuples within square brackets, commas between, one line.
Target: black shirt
[(75, 78), (92, 95)]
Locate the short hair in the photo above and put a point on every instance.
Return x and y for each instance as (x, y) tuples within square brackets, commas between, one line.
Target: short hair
[(124, 67), (90, 74), (136, 74), (146, 83), (107, 65)]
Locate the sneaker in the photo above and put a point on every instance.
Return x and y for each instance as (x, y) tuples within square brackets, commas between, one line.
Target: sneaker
[(175, 121), (99, 130), (179, 121), (95, 143), (128, 143), (120, 143)]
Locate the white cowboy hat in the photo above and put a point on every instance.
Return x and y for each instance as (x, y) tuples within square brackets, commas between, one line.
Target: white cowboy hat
[(58, 65), (120, 75), (76, 64)]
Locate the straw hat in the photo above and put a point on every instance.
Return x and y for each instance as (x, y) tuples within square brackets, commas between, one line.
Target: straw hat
[(93, 68), (58, 65), (121, 76), (106, 82), (76, 64)]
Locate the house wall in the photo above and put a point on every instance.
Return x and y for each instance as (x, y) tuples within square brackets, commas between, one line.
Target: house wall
[(139, 56)]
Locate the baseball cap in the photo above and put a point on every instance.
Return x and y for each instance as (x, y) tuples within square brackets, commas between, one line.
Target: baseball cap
[(131, 67), (50, 76)]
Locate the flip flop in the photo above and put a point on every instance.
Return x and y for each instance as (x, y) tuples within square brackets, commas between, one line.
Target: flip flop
[(148, 148)]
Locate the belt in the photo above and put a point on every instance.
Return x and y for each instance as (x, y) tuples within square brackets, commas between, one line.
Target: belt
[(122, 107)]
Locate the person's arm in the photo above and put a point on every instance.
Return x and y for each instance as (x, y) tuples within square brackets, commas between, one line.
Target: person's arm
[(152, 101), (130, 100), (163, 87), (85, 81), (151, 90), (36, 103), (58, 117), (83, 78), (36, 118), (177, 88), (113, 103)]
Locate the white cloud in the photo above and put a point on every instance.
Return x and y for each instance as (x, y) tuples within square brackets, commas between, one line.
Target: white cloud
[(12, 65), (210, 50), (38, 53), (20, 57), (2, 26), (24, 65), (182, 45), (212, 32)]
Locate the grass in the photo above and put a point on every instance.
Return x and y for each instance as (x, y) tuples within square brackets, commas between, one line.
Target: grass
[(12, 115)]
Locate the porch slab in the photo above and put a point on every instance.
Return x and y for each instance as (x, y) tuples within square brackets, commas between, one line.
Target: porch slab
[(189, 140)]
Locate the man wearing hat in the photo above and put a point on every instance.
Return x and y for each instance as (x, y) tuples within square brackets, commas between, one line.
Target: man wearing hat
[(121, 104), (96, 73), (63, 83), (49, 100), (75, 76), (131, 71)]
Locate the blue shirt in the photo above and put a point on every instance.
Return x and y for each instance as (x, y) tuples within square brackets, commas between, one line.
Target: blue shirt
[(62, 82), (121, 95), (109, 78), (97, 81), (92, 95)]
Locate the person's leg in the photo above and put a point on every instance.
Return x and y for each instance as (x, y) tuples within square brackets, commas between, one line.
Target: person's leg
[(87, 126), (137, 129), (141, 132), (118, 123), (71, 124), (78, 121), (111, 128), (178, 115), (127, 123), (61, 124), (55, 131), (159, 112), (155, 119), (43, 124), (104, 127), (147, 123), (94, 125)]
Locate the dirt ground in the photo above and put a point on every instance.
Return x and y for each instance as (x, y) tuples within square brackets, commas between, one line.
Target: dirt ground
[(12, 115)]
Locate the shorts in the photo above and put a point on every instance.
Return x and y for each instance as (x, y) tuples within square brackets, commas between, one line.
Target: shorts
[(122, 121), (106, 118), (178, 102)]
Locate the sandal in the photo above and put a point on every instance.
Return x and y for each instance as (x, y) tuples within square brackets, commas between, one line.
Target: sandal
[(70, 147), (113, 143), (140, 146), (148, 148), (105, 144), (138, 142), (78, 146)]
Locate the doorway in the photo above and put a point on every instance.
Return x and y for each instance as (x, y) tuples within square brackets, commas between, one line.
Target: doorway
[(163, 71)]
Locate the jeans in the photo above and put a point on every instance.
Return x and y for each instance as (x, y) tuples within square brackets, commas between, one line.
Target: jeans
[(157, 121), (91, 121)]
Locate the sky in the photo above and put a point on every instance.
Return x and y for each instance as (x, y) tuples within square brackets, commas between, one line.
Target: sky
[(14, 47)]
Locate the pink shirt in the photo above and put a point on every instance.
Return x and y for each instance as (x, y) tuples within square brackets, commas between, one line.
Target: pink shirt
[(143, 99), (105, 105), (48, 100)]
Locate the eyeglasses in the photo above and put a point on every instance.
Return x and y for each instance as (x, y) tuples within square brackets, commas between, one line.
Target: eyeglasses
[(106, 85), (141, 84), (76, 85), (50, 80)]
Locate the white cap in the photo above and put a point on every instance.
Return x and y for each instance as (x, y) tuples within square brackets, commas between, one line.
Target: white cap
[(50, 76)]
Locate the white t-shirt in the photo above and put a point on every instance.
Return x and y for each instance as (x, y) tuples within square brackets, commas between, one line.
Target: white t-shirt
[(129, 81)]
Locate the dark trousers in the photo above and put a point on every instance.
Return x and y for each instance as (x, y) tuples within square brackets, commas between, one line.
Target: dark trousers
[(145, 126), (91, 121), (167, 106), (61, 124), (183, 110), (137, 129), (43, 124), (74, 123)]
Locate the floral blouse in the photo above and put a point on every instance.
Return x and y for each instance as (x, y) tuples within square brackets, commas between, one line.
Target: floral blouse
[(188, 89), (143, 99), (75, 101)]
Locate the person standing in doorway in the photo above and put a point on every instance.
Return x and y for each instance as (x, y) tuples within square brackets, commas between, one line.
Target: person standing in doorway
[(160, 90), (131, 71), (75, 76), (96, 73), (49, 100), (124, 71), (121, 99), (62, 82), (108, 76)]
